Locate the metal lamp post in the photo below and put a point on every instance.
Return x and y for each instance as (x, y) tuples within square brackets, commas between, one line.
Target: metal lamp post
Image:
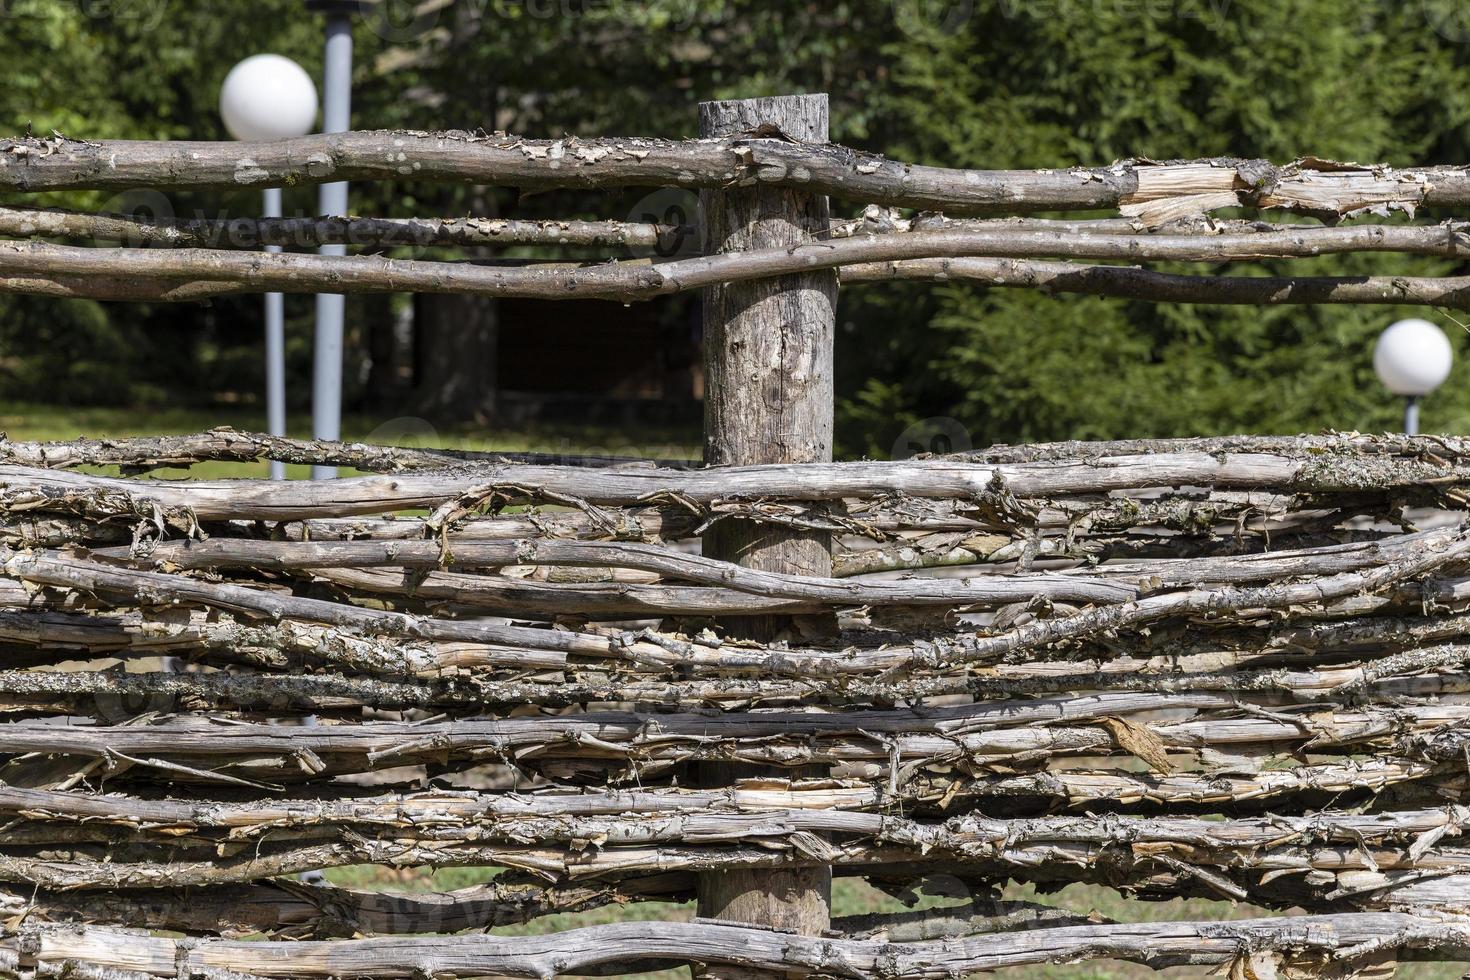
[(331, 308), (1412, 358), (269, 97)]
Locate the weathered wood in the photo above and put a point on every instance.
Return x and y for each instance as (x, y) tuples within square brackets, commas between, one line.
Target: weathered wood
[(1156, 943), (255, 233), (1187, 239), (189, 274), (1430, 551), (927, 792), (1228, 668), (1416, 673), (1190, 650), (1155, 193), (1167, 287), (757, 581), (139, 454), (1256, 688), (27, 489), (786, 738), (1369, 445), (288, 910), (768, 399), (1204, 241), (1163, 859), (1107, 583), (282, 645), (609, 600), (776, 816)]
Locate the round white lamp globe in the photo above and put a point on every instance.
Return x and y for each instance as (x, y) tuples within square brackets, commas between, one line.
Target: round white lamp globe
[(268, 97), (1412, 357)]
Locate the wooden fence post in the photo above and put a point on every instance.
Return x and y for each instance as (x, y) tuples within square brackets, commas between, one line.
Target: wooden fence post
[(768, 399)]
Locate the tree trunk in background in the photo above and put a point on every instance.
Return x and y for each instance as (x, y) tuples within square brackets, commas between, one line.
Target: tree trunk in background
[(456, 337), (377, 317), (455, 341)]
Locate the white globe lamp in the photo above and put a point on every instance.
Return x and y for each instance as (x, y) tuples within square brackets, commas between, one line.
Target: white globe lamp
[(1412, 358), (268, 97)]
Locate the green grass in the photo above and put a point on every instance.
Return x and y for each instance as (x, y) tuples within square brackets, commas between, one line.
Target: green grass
[(26, 422), (851, 896), (854, 896)]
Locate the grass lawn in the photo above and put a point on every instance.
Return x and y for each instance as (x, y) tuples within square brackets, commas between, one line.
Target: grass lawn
[(850, 896), (27, 422)]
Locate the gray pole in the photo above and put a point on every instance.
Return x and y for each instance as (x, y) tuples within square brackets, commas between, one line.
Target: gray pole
[(326, 386), (275, 346), (1411, 415)]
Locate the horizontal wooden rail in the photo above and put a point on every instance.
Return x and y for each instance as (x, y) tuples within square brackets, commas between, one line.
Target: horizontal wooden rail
[(1224, 857), (229, 444), (309, 232), (166, 231), (1125, 239), (179, 275), (291, 910), (462, 490), (139, 454), (1166, 287), (1154, 192), (1357, 936)]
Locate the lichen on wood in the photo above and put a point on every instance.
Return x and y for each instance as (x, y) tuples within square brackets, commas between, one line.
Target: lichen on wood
[(1226, 668)]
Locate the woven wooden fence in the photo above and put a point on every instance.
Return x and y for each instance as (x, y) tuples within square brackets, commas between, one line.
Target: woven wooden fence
[(1227, 668)]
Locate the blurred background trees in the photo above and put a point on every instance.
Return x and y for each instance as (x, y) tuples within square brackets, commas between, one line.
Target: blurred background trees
[(969, 83)]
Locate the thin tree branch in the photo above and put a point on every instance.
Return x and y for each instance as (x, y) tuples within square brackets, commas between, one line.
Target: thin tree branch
[(575, 951), (310, 232), (193, 274), (1166, 287)]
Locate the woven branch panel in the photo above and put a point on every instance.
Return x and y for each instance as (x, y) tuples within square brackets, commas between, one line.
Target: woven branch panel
[(1228, 668)]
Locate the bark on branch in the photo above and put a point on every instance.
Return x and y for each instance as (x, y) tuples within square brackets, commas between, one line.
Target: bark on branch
[(1127, 282), (1150, 191), (25, 489), (310, 232), (139, 454), (1346, 937), (188, 274)]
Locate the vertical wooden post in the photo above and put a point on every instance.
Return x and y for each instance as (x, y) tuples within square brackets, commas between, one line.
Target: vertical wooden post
[(768, 344), (768, 399)]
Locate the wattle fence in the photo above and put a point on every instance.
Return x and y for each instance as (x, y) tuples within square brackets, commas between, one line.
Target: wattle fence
[(1229, 668)]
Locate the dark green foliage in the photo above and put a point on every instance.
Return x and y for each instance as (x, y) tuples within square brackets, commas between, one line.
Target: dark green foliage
[(1045, 83), (980, 83)]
